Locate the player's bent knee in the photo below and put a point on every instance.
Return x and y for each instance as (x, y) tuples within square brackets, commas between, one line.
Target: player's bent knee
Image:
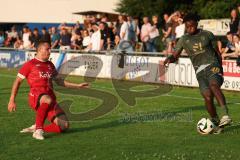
[(64, 126), (46, 99), (62, 122), (207, 96), (214, 86)]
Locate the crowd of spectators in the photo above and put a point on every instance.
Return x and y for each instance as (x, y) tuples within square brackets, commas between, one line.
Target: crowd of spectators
[(128, 33), (232, 48)]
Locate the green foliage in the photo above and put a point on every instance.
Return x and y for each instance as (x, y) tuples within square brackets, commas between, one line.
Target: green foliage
[(205, 8), (214, 8)]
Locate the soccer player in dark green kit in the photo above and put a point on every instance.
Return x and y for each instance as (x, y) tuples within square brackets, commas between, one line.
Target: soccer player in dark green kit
[(201, 47)]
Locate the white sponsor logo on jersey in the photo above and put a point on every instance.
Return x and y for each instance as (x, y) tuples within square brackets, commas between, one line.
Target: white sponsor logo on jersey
[(45, 75)]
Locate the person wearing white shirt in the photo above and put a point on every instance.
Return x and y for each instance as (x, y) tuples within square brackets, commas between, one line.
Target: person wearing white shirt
[(124, 31), (86, 39), (145, 34), (95, 42), (26, 40)]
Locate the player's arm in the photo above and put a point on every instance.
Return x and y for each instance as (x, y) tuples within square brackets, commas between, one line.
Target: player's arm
[(175, 55), (172, 58), (62, 82), (15, 87)]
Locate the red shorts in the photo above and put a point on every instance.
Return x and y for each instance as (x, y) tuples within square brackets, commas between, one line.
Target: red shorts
[(54, 110)]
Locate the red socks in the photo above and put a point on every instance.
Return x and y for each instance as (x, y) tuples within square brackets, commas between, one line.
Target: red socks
[(41, 115), (40, 118), (52, 128)]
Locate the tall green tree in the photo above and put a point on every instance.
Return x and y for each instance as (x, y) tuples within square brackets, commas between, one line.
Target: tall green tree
[(214, 8), (205, 8), (151, 7)]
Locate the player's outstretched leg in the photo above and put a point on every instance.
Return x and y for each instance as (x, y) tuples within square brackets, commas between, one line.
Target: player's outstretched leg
[(208, 98), (59, 124), (215, 88), (58, 118), (30, 129)]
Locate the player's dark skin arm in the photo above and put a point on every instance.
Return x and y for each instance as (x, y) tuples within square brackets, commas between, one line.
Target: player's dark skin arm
[(15, 87), (172, 58)]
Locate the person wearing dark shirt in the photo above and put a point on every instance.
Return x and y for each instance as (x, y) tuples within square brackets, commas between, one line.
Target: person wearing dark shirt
[(55, 38), (65, 40), (45, 36), (104, 36), (35, 38), (234, 24)]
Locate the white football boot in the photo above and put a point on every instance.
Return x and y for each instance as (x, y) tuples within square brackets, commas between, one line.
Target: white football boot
[(29, 129), (38, 134), (225, 120)]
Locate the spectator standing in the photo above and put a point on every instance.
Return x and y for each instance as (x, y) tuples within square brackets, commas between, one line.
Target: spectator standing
[(167, 29), (119, 24), (12, 36), (76, 40), (26, 38), (65, 40), (105, 38), (45, 36), (234, 23), (86, 39), (154, 34), (35, 38), (55, 38), (145, 37), (123, 29), (95, 43), (180, 29), (111, 34), (133, 31)]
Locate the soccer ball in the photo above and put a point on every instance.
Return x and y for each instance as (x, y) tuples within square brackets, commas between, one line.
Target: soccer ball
[(205, 126)]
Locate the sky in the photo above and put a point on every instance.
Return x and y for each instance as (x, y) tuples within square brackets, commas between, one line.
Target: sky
[(46, 11)]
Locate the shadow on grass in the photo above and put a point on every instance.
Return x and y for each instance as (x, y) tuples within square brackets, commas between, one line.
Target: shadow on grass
[(137, 118), (111, 124), (183, 115), (234, 129)]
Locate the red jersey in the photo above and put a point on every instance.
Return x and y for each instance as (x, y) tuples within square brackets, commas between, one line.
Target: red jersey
[(39, 75)]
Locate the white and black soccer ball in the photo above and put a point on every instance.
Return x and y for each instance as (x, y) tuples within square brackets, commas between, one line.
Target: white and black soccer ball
[(205, 126)]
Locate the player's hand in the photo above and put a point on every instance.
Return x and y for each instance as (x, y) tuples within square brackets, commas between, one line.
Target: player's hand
[(83, 85), (11, 106), (165, 62)]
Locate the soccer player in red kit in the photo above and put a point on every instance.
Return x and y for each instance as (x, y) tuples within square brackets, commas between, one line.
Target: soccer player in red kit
[(39, 73)]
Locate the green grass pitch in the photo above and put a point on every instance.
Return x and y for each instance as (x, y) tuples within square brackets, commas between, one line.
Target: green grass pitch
[(156, 128)]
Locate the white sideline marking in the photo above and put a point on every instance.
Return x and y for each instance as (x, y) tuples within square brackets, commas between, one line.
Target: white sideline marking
[(7, 75)]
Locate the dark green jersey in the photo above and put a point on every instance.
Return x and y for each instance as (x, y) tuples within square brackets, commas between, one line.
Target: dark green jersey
[(200, 48)]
